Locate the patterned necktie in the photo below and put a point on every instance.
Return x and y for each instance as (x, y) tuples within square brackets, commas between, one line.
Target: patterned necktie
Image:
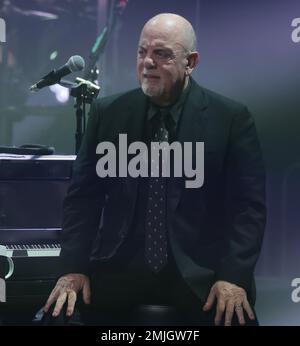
[(156, 248)]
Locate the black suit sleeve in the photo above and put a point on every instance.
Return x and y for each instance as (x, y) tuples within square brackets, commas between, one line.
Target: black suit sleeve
[(83, 203), (246, 203)]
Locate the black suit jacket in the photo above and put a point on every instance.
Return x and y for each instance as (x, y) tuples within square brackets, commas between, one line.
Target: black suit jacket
[(215, 231)]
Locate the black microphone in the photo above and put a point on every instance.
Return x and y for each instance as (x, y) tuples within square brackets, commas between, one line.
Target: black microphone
[(75, 63)]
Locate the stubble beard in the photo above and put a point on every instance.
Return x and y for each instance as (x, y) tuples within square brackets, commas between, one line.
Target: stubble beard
[(151, 90)]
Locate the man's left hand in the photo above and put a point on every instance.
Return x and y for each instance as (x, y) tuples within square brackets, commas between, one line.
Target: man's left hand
[(230, 299)]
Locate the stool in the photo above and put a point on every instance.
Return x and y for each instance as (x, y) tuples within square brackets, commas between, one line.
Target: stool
[(155, 315)]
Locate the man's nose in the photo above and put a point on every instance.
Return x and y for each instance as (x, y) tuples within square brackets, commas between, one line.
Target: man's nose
[(149, 62)]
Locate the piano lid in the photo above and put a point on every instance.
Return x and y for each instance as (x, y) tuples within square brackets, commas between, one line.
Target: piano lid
[(23, 167)]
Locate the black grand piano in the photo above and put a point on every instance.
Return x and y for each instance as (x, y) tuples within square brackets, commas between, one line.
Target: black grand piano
[(32, 189)]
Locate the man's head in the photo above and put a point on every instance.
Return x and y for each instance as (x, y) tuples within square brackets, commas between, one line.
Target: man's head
[(166, 57)]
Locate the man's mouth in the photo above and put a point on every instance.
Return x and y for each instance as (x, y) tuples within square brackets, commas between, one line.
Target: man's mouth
[(150, 76)]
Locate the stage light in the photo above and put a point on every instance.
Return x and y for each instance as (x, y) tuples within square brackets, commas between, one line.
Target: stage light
[(54, 55), (62, 94)]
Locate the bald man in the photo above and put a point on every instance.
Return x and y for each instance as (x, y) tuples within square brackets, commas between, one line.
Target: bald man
[(131, 242)]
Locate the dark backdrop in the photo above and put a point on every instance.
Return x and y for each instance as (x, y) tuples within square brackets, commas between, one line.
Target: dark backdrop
[(246, 53)]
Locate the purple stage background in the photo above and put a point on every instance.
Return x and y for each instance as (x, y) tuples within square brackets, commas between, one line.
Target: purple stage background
[(247, 53)]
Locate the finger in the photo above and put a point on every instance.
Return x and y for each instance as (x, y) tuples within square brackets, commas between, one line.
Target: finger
[(240, 314), (219, 312), (52, 298), (86, 292), (72, 297), (229, 313), (59, 304), (248, 309), (210, 300)]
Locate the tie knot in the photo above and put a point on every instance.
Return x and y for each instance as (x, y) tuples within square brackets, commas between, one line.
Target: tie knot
[(163, 125), (164, 112), (164, 118)]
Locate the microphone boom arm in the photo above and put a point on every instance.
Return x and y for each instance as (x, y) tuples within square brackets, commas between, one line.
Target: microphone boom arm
[(114, 11)]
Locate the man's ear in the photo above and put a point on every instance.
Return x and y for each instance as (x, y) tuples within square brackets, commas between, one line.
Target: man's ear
[(192, 61)]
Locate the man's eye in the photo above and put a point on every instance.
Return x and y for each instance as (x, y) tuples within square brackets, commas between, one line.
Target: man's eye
[(141, 52), (162, 53)]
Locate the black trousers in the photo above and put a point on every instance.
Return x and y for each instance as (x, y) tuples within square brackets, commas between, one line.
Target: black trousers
[(131, 294)]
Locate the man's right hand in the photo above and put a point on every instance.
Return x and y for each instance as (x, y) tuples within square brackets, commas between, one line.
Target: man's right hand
[(66, 290)]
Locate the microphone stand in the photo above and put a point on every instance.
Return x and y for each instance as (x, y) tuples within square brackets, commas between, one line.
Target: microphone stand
[(84, 92), (87, 90), (80, 115)]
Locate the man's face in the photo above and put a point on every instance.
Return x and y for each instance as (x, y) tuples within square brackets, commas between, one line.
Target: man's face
[(161, 64)]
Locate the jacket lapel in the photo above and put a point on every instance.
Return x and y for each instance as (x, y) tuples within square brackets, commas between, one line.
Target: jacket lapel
[(136, 115), (191, 128), (134, 120)]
